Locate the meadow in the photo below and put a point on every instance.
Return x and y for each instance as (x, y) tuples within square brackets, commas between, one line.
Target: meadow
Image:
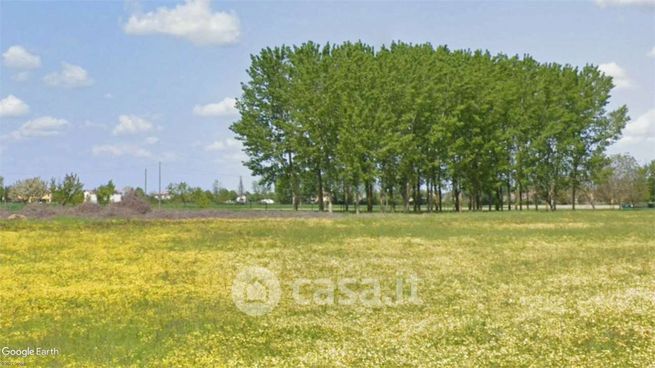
[(538, 289)]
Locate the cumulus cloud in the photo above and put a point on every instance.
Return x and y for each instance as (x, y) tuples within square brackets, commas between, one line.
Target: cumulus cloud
[(40, 127), (641, 129), (17, 57), (70, 76), (132, 124), (116, 150), (226, 107), (192, 20), (638, 138), (152, 140), (643, 3), (618, 74), (224, 145), (13, 106), (652, 52)]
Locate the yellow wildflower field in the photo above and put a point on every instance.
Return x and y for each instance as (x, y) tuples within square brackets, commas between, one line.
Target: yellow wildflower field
[(480, 289)]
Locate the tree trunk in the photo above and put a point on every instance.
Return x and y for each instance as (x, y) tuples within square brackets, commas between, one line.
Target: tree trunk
[(536, 201), (369, 197), (357, 201), (346, 195), (497, 200), (295, 190), (552, 194), (321, 205), (457, 199), (406, 197), (417, 194), (440, 197), (509, 196), (574, 183), (428, 187), (592, 201)]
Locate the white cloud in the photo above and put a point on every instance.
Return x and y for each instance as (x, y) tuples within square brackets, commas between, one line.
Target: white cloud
[(70, 76), (226, 107), (152, 140), (131, 124), (618, 74), (13, 106), (645, 3), (120, 150), (643, 128), (638, 138), (652, 52), (40, 127), (223, 145), (192, 20), (18, 58)]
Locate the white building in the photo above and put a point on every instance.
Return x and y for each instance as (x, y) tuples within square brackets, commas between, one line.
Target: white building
[(90, 196), (165, 196), (116, 197)]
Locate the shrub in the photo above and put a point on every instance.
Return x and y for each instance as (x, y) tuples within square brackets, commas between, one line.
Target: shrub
[(132, 203), (88, 208)]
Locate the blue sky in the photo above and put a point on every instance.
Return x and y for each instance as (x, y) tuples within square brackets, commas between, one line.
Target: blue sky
[(108, 88)]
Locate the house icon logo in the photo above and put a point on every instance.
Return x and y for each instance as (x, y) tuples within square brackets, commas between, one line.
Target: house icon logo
[(256, 291)]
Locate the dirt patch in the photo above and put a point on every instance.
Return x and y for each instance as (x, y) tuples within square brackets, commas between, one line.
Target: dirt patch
[(131, 203), (38, 210)]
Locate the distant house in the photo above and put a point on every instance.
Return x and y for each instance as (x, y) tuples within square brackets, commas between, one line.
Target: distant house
[(116, 197), (242, 199), (47, 198), (267, 201), (90, 196), (165, 196)]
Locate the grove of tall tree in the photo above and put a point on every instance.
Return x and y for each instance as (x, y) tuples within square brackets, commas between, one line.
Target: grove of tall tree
[(409, 119)]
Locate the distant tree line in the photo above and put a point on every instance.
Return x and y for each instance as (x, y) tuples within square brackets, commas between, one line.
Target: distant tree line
[(621, 180), (185, 194), (70, 191), (391, 124)]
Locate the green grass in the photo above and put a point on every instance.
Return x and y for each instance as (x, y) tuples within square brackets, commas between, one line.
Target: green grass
[(497, 289)]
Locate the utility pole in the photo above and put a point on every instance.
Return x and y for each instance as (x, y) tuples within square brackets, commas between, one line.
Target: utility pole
[(145, 183), (159, 196)]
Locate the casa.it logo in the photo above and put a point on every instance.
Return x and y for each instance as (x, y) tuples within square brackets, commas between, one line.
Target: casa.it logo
[(256, 291)]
